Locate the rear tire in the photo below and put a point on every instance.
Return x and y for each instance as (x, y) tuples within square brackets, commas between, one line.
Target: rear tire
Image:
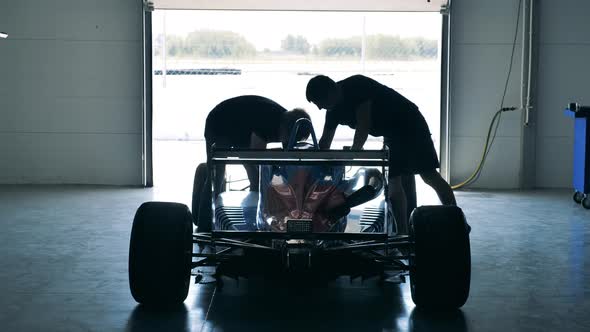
[(160, 254), (201, 202), (440, 269)]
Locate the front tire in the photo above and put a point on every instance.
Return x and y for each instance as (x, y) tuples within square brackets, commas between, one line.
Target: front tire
[(160, 254), (201, 202), (440, 269)]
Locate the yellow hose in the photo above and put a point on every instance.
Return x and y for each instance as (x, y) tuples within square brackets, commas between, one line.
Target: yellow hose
[(481, 161)]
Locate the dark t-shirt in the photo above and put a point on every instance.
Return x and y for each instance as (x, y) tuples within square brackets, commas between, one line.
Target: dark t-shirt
[(234, 120), (391, 112)]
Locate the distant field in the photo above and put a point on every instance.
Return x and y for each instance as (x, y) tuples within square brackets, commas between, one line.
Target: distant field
[(181, 102)]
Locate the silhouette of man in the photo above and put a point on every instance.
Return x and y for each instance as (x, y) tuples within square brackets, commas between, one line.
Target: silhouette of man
[(372, 108), (249, 122)]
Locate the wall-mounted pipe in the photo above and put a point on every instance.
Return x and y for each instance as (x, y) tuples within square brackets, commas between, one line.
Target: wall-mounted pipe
[(527, 174), (527, 58)]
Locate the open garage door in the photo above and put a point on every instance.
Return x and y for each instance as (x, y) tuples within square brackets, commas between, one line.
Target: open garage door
[(204, 52), (324, 5)]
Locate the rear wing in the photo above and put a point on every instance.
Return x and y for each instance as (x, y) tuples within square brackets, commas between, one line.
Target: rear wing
[(375, 158), (302, 157)]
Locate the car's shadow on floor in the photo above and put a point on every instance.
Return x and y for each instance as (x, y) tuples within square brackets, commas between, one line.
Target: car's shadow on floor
[(341, 306), (257, 305), (157, 319), (422, 321)]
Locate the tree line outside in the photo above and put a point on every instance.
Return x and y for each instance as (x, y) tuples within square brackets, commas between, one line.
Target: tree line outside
[(219, 44)]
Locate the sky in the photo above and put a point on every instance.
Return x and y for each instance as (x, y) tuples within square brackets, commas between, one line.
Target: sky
[(266, 29)]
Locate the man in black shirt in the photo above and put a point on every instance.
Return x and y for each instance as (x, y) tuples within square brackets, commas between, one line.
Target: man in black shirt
[(249, 122), (372, 108)]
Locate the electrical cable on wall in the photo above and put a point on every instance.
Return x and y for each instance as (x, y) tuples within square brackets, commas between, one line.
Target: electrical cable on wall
[(497, 116)]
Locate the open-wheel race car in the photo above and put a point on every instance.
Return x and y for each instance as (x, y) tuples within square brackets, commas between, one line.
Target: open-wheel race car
[(319, 215)]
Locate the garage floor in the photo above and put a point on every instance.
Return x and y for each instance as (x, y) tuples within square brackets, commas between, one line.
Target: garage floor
[(63, 267)]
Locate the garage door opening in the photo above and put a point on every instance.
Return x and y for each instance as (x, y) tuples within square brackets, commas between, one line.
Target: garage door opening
[(202, 57)]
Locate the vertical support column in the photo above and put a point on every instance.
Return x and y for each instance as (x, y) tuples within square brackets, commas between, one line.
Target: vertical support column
[(147, 104), (528, 87), (445, 94)]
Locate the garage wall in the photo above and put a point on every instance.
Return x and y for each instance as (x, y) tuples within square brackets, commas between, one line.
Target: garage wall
[(482, 33), (564, 76), (71, 91)]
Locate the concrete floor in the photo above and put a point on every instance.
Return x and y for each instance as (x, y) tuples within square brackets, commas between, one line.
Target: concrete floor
[(63, 267)]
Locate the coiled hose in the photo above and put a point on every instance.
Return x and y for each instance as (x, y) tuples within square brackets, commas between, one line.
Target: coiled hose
[(486, 148)]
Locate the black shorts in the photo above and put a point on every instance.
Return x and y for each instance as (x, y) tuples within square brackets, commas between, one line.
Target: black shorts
[(411, 151)]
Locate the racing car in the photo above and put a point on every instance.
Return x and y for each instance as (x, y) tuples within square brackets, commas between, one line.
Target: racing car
[(319, 215)]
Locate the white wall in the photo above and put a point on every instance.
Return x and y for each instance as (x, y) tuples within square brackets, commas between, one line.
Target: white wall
[(564, 76), (70, 91), (482, 36), (482, 33)]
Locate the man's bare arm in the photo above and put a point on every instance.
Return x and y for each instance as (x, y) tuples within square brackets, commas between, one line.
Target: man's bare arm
[(363, 125), (327, 137)]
